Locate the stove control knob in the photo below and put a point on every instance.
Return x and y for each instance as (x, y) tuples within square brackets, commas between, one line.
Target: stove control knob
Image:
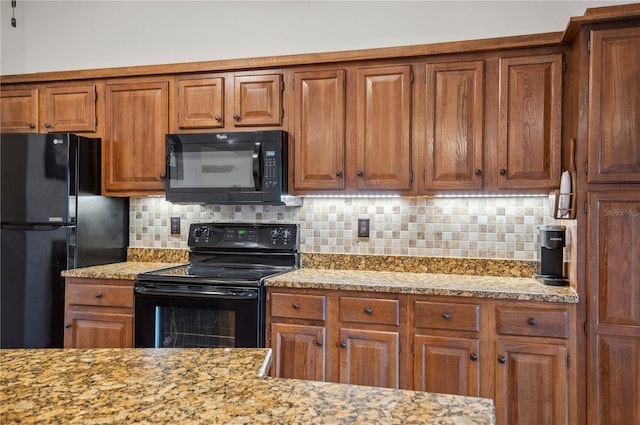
[(275, 233), (207, 232), (286, 234), (197, 232)]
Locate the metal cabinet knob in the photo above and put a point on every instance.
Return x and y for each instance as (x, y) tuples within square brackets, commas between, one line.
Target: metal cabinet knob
[(473, 357), (360, 174), (163, 176), (217, 118), (368, 310), (502, 360), (98, 295), (503, 172), (338, 173), (236, 117), (343, 344), (478, 172), (531, 321), (319, 343), (67, 325), (296, 306), (47, 125), (446, 316), (32, 126)]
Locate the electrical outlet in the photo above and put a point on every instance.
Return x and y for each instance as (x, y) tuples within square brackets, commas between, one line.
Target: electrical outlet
[(175, 225), (363, 227)]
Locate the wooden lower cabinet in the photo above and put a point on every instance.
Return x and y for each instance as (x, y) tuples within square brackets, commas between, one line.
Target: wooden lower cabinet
[(446, 365), (299, 351), (531, 383), (518, 353), (369, 357), (98, 313)]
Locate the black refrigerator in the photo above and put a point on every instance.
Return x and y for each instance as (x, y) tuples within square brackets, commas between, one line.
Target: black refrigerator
[(53, 219)]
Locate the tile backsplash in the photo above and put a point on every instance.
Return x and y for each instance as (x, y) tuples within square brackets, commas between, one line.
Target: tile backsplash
[(493, 228)]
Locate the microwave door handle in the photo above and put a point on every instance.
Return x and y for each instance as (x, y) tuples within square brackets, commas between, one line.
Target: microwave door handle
[(256, 166)]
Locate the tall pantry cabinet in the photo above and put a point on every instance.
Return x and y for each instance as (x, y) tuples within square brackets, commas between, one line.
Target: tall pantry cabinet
[(607, 130)]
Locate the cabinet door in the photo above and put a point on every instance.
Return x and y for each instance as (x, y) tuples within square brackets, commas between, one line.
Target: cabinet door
[(383, 123), (298, 351), (530, 119), (319, 120), (70, 108), (19, 111), (369, 358), (613, 285), (257, 100), (446, 365), (454, 125), (98, 329), (531, 383), (614, 106), (133, 149), (200, 103)]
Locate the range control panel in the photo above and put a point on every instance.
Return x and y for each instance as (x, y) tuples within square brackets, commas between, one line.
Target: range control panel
[(253, 236)]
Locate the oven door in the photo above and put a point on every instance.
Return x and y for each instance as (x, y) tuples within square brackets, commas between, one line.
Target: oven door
[(169, 315)]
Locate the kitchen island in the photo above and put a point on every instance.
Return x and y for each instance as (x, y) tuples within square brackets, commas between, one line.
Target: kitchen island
[(192, 386)]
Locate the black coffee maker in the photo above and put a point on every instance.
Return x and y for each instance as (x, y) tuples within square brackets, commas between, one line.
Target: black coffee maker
[(551, 265)]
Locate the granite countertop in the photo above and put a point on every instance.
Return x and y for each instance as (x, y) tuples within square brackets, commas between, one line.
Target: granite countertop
[(504, 288), (201, 386), (126, 270)]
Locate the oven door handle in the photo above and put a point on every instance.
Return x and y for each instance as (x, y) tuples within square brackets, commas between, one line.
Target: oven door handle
[(213, 294), (256, 166)]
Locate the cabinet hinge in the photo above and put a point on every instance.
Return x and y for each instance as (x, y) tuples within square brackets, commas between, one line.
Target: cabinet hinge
[(95, 95), (399, 346), (586, 209), (282, 113), (269, 338), (586, 168), (568, 361), (564, 64), (584, 327), (95, 120), (589, 46), (410, 176), (281, 85), (411, 78)]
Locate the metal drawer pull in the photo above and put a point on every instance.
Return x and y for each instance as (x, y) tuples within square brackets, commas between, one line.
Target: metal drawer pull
[(502, 360), (446, 316), (368, 310), (531, 321), (319, 343), (473, 357), (98, 295), (67, 325), (343, 344), (296, 306)]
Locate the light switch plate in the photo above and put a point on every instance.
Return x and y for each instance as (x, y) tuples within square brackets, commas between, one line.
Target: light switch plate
[(175, 225), (363, 227)]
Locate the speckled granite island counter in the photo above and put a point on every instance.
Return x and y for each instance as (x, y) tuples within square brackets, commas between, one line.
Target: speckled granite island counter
[(201, 386), (505, 288), (126, 270)]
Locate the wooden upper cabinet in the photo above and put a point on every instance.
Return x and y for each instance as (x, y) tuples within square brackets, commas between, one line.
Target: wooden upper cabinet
[(257, 100), (319, 126), (454, 114), (133, 147), (19, 111), (529, 121), (69, 108), (614, 106), (383, 128), (200, 103)]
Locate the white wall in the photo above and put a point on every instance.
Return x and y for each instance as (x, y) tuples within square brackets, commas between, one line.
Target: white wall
[(65, 35)]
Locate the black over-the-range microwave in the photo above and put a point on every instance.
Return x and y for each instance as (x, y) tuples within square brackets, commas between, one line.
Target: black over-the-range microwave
[(227, 168)]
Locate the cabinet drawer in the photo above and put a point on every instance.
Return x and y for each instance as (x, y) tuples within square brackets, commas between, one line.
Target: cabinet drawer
[(532, 322), (99, 295), (434, 315), (297, 306), (370, 310)]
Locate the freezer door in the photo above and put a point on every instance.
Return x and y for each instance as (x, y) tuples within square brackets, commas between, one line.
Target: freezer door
[(31, 289), (38, 178)]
